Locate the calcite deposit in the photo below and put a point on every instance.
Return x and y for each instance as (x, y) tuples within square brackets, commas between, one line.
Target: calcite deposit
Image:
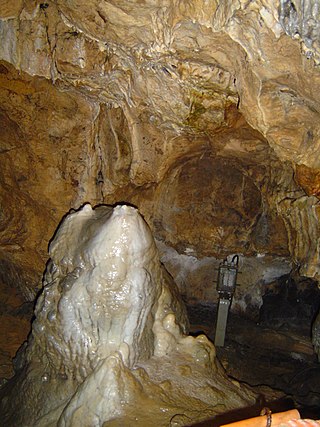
[(204, 114), (109, 343)]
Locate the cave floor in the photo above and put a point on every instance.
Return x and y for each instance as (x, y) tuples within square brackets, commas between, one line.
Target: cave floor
[(280, 359)]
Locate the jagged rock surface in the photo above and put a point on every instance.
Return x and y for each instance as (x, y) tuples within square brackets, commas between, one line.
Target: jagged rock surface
[(108, 343), (204, 114)]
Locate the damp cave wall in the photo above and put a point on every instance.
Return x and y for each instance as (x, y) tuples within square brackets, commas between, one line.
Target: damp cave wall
[(204, 115)]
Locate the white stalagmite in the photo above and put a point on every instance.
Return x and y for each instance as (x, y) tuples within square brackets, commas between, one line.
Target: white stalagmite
[(106, 264), (109, 344)]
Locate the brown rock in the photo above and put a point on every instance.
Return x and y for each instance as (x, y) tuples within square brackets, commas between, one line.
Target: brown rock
[(308, 179), (42, 171), (204, 115)]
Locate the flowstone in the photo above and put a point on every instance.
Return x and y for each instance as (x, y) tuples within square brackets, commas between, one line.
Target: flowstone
[(109, 343)]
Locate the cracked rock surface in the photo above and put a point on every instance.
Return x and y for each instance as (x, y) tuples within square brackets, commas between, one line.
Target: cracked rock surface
[(204, 114)]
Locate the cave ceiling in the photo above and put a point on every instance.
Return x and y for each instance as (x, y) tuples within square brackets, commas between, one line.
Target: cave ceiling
[(204, 114)]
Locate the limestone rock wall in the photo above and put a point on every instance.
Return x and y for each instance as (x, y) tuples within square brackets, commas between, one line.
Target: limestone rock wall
[(45, 157), (203, 114), (300, 19)]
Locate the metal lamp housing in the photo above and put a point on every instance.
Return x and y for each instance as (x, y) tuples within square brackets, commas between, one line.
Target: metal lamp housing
[(227, 277)]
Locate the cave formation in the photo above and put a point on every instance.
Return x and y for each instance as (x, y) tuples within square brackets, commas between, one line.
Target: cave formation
[(205, 116)]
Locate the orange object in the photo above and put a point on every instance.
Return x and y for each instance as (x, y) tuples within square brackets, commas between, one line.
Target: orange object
[(301, 423), (261, 421)]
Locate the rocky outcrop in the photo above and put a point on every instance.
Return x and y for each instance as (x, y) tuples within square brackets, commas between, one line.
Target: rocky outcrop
[(205, 115), (41, 171), (108, 343)]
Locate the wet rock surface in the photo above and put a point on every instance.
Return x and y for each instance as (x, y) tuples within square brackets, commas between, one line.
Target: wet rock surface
[(109, 343), (203, 114), (108, 101)]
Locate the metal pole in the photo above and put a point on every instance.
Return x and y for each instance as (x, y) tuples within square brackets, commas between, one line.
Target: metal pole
[(223, 311)]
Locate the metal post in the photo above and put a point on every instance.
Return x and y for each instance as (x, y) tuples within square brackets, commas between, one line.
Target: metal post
[(226, 285), (223, 311)]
